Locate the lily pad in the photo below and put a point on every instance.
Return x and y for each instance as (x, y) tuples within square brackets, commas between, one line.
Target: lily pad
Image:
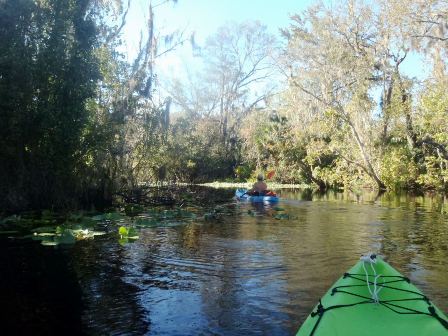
[(45, 229), (8, 232), (51, 236), (45, 234), (10, 219), (124, 241), (133, 210), (145, 222), (123, 231), (281, 216), (111, 216), (67, 237), (49, 243), (132, 232), (97, 233), (127, 235)]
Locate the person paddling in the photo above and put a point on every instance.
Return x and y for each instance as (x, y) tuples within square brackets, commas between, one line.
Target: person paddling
[(259, 187)]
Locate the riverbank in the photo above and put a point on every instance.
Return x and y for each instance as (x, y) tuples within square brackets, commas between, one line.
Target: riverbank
[(272, 185)]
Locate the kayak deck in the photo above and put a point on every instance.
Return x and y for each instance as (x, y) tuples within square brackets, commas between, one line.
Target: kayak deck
[(241, 195), (350, 307)]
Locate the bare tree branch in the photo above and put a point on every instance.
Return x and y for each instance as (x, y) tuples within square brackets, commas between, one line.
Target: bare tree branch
[(117, 31)]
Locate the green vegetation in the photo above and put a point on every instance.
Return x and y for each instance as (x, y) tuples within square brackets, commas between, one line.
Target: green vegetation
[(329, 105), (348, 117), (122, 225)]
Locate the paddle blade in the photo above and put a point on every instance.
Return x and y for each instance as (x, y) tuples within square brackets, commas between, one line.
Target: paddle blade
[(270, 174)]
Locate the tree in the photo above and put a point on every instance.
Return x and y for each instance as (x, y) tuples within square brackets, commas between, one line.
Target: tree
[(80, 121), (331, 58), (47, 73), (420, 28), (128, 120), (237, 66)]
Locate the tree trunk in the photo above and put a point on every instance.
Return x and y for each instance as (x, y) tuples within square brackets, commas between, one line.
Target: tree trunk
[(309, 174), (387, 99), (410, 134), (369, 169)]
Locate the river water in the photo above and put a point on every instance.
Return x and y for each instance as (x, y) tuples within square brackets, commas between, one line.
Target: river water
[(250, 270)]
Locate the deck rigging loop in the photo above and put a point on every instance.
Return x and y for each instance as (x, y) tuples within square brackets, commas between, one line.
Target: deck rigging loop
[(375, 290), (397, 305)]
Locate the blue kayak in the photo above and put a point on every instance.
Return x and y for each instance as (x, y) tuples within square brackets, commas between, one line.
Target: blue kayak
[(241, 195)]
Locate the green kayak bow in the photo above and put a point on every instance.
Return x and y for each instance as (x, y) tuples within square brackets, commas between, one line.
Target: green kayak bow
[(372, 298)]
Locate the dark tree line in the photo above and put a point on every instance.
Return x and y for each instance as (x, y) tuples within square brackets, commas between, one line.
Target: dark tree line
[(47, 72), (78, 120), (80, 123)]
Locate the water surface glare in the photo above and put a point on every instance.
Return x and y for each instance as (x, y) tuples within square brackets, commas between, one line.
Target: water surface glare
[(245, 273)]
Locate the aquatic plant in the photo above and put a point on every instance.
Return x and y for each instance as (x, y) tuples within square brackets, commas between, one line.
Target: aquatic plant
[(127, 235)]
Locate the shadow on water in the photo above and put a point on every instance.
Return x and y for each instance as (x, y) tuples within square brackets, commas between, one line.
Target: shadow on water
[(39, 290), (111, 303), (249, 269)]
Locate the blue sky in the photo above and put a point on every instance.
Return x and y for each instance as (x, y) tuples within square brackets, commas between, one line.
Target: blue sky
[(203, 17)]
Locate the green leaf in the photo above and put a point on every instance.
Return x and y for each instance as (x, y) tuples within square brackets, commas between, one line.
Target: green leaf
[(8, 232), (10, 219), (45, 229), (123, 231), (67, 237), (133, 210), (49, 243), (87, 222), (123, 241), (111, 216), (35, 236), (132, 232), (48, 214), (99, 217), (282, 216), (145, 222)]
